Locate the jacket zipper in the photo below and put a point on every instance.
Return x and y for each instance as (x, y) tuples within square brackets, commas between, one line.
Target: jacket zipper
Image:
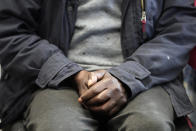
[(143, 19)]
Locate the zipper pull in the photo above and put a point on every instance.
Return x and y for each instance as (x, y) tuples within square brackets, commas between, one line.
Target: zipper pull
[(143, 20)]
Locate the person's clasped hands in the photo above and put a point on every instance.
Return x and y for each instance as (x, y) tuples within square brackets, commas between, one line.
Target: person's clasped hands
[(100, 92)]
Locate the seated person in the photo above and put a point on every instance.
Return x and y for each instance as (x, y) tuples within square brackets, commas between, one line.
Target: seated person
[(78, 65)]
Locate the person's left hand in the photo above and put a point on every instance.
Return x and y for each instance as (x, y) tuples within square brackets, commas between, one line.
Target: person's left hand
[(107, 96)]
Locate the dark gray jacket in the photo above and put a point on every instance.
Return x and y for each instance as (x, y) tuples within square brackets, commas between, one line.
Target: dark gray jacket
[(35, 37)]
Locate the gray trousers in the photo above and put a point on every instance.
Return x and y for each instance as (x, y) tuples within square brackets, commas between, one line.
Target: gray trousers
[(58, 110)]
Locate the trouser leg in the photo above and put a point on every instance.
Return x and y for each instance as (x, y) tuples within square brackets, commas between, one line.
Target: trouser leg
[(149, 111), (17, 126), (58, 110)]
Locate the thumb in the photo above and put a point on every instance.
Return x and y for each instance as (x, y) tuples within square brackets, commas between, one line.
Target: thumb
[(95, 76), (92, 80)]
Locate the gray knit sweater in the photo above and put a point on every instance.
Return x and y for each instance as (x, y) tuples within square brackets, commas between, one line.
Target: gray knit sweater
[(96, 41)]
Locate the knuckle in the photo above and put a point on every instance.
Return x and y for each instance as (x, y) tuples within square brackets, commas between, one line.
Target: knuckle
[(108, 95), (113, 102), (121, 96), (94, 91), (102, 109), (115, 89), (90, 102), (82, 97), (124, 100), (99, 99)]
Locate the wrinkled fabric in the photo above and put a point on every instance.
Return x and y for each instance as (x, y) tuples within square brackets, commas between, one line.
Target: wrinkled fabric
[(96, 40), (64, 113), (35, 38)]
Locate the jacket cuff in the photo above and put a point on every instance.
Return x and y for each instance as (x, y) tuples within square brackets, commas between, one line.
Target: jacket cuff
[(64, 73), (56, 69), (132, 74)]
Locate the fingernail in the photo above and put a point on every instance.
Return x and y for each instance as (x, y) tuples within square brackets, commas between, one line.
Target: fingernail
[(80, 100)]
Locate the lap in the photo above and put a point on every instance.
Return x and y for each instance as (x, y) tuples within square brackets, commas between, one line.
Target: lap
[(59, 110), (150, 108)]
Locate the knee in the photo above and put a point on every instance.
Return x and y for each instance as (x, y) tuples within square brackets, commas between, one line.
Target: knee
[(153, 124), (54, 124), (148, 123), (56, 120)]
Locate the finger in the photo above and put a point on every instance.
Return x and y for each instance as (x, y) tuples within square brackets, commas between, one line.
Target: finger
[(99, 99), (92, 80), (96, 76), (94, 90), (115, 110), (82, 89), (105, 108), (84, 106), (100, 74)]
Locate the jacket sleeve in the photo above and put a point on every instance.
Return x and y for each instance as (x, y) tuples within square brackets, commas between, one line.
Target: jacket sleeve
[(23, 53), (161, 59)]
